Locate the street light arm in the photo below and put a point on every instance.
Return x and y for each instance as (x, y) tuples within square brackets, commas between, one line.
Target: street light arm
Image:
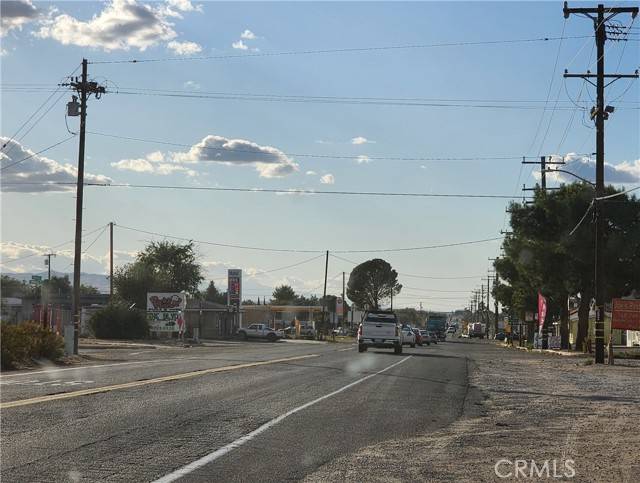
[(572, 174)]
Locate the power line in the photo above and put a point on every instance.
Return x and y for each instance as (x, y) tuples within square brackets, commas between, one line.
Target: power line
[(354, 101), (340, 50), (294, 250), (36, 154), (307, 155), (90, 245), (22, 126), (413, 276), (399, 101), (53, 247), (289, 191)]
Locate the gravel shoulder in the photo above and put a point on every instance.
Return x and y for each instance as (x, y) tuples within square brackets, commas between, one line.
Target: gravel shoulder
[(520, 406)]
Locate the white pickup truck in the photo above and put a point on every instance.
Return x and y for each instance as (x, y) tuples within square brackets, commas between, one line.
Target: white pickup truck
[(380, 329), (260, 331)]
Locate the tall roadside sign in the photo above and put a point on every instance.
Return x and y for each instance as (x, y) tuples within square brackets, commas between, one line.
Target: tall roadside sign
[(234, 292)]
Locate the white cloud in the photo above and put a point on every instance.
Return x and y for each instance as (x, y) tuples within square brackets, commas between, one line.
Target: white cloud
[(154, 163), (39, 170), (311, 173), (191, 85), (248, 35), (623, 173), (360, 140), (240, 45), (16, 13), (270, 162), (184, 5), (184, 48), (121, 25), (328, 179), (362, 159)]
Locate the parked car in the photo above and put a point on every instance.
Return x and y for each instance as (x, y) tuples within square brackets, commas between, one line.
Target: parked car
[(380, 329), (306, 331), (426, 338), (433, 337), (408, 337), (419, 339), (260, 331), (451, 330), (500, 336)]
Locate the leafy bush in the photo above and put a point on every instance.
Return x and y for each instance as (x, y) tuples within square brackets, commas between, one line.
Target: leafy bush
[(30, 340), (116, 321)]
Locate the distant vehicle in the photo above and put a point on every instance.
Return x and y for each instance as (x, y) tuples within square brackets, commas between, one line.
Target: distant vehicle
[(437, 324), (451, 330), (260, 331), (500, 336), (426, 337), (476, 330), (408, 337), (380, 328), (419, 339), (432, 337)]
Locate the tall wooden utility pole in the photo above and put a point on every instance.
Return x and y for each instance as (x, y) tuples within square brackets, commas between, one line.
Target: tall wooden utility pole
[(84, 89), (600, 16), (111, 260)]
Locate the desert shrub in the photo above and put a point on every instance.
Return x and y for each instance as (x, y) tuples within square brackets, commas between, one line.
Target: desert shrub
[(23, 342), (117, 321)]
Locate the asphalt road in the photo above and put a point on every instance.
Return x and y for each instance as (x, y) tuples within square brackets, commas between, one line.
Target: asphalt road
[(235, 412)]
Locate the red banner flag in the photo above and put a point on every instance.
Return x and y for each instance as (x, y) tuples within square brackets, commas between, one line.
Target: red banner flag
[(542, 311)]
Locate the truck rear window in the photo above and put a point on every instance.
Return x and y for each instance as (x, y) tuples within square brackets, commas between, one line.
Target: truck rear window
[(377, 318)]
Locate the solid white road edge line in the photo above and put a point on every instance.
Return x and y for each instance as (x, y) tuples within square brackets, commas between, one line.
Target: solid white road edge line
[(185, 470)]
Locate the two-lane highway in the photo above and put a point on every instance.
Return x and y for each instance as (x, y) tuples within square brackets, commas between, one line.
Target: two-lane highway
[(246, 412)]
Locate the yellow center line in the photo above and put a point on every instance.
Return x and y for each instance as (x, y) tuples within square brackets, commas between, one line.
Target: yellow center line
[(146, 382)]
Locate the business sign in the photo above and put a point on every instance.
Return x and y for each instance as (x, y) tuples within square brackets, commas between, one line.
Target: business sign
[(542, 311), (164, 310), (166, 301), (234, 286), (339, 306), (626, 314), (163, 320)]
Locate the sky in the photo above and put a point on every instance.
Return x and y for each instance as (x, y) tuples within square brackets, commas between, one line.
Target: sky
[(216, 108)]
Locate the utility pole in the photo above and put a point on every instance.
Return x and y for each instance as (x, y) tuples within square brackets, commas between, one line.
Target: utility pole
[(496, 278), (543, 171), (84, 89), (111, 260), (47, 262), (600, 16), (344, 303), (324, 292)]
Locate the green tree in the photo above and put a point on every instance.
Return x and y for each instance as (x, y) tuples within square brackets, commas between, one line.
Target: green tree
[(212, 294), (160, 267), (88, 290), (372, 282), (11, 287), (283, 295), (543, 254)]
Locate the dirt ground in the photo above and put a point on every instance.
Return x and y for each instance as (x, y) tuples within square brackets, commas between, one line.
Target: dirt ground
[(520, 406)]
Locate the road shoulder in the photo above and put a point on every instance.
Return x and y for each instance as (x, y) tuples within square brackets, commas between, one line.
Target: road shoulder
[(520, 406)]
